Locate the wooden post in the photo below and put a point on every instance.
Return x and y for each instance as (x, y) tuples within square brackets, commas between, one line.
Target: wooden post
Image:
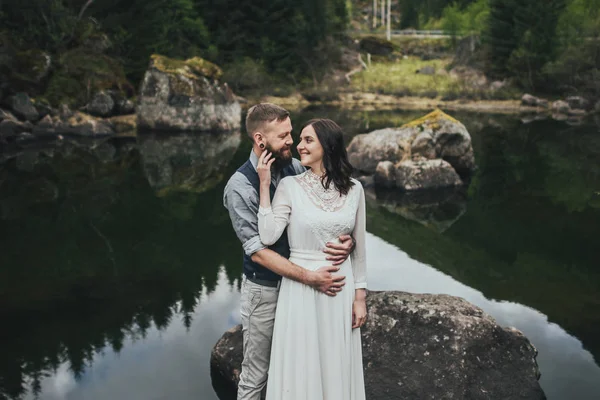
[(389, 20)]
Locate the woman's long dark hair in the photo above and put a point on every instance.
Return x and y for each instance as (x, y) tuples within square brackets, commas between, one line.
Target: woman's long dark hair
[(335, 158)]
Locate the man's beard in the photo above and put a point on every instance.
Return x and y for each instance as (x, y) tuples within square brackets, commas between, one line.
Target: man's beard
[(283, 157)]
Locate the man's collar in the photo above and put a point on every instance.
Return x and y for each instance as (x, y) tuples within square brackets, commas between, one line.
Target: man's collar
[(253, 159)]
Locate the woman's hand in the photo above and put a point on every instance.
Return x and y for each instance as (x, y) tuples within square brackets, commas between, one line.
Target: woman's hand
[(359, 312), (264, 168)]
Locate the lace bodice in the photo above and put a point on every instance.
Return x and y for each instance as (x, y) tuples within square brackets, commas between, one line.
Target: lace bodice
[(314, 216), (326, 199)]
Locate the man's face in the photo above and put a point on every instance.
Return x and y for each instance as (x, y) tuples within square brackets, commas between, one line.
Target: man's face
[(278, 140)]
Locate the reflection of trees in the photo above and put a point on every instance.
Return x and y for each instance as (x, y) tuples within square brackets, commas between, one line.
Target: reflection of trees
[(100, 260), (522, 239)]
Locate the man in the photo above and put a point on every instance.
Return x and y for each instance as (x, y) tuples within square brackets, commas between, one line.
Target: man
[(269, 127)]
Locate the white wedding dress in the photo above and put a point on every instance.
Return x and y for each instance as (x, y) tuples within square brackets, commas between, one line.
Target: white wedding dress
[(316, 355)]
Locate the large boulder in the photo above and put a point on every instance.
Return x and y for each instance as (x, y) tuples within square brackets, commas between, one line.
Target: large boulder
[(424, 346), (186, 95), (432, 137), (411, 175)]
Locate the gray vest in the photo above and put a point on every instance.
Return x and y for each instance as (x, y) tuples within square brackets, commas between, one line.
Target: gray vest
[(282, 246)]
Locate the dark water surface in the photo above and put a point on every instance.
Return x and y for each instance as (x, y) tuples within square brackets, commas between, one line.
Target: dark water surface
[(119, 269)]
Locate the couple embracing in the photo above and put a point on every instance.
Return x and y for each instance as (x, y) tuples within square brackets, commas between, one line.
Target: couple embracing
[(302, 228)]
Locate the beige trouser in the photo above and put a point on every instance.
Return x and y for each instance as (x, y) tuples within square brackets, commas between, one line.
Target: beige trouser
[(258, 305)]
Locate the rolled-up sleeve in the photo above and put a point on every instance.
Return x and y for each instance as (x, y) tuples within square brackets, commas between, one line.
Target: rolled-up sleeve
[(241, 201)]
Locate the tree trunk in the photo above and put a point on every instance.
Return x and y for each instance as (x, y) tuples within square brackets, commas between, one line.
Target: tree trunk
[(382, 12), (389, 20)]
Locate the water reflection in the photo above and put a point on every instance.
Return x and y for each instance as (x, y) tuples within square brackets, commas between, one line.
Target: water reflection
[(117, 254), (436, 210), (168, 362), (568, 370), (189, 162)]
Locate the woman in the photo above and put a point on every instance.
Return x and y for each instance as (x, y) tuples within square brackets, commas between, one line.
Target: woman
[(316, 352)]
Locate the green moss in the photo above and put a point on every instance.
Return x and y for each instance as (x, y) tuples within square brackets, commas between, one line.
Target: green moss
[(431, 120), (192, 68)]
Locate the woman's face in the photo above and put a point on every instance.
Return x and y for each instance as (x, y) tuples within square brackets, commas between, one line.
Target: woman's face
[(309, 148)]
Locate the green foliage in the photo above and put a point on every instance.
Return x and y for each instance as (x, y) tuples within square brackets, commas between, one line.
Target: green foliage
[(247, 75), (287, 38), (79, 74), (469, 20), (522, 38), (419, 13), (577, 67)]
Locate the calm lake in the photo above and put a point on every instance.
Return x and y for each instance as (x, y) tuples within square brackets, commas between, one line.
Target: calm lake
[(119, 269)]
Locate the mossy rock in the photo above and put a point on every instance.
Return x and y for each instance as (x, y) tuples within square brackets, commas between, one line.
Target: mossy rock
[(376, 46), (431, 120), (192, 68), (81, 74)]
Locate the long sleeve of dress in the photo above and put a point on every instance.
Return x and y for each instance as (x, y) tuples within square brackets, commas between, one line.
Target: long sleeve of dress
[(358, 256), (273, 220)]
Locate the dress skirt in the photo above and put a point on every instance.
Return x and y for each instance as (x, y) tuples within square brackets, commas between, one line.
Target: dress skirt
[(315, 354)]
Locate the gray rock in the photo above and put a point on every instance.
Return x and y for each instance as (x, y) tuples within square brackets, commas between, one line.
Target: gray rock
[(367, 150), (23, 107), (417, 175), (64, 112), (578, 102), (6, 115), (125, 107), (78, 124), (597, 107), (424, 146), (101, 105), (497, 85), (529, 100), (424, 346), (560, 107), (10, 127), (43, 108), (426, 70), (434, 136), (186, 95)]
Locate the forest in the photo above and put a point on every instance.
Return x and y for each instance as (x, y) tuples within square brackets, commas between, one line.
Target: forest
[(80, 46)]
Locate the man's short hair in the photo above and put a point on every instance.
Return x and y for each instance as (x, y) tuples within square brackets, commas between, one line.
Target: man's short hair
[(263, 113)]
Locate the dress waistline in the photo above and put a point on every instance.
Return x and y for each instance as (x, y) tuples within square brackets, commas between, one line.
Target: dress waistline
[(308, 254)]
